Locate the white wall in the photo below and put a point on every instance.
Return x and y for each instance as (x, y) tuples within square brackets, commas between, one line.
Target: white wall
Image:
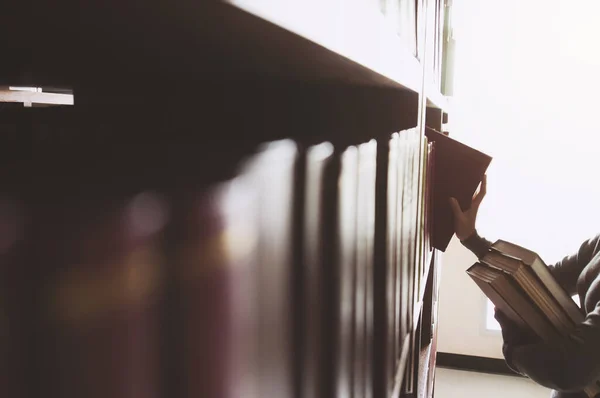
[(461, 314), (450, 383)]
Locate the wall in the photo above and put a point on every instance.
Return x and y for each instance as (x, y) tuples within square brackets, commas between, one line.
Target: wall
[(462, 309)]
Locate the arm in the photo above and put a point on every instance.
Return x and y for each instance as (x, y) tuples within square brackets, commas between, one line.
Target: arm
[(571, 369), (567, 271), (477, 244)]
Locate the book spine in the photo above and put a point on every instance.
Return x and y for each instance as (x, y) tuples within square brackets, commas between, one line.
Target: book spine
[(215, 257), (16, 310), (100, 301)]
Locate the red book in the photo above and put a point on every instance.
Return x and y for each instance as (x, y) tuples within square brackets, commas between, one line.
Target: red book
[(458, 170)]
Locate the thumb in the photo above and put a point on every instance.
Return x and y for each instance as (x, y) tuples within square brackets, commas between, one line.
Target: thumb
[(455, 207)]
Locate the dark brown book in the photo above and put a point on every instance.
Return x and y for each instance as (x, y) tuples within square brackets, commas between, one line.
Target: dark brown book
[(519, 292), (402, 269), (409, 237), (365, 228), (215, 252), (386, 190), (99, 303), (392, 265), (458, 171), (428, 219), (17, 321), (510, 299), (532, 287), (318, 255), (272, 170), (536, 265), (346, 271)]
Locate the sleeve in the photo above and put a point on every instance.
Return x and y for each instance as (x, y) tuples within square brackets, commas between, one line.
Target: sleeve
[(567, 369), (477, 244), (567, 270)]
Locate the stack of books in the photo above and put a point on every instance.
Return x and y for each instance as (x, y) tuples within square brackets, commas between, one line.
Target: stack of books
[(520, 284)]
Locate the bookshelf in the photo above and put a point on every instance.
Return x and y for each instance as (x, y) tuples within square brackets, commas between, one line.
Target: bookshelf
[(194, 88)]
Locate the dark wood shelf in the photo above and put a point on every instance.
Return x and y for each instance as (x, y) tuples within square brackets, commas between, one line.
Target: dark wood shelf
[(354, 30), (203, 42), (33, 98)]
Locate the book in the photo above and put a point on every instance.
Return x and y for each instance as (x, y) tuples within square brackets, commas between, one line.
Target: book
[(531, 286), (99, 303), (509, 298), (534, 262), (345, 304), (518, 282), (458, 170), (272, 170), (317, 269), (410, 239), (365, 227), (213, 307), (392, 265), (16, 310)]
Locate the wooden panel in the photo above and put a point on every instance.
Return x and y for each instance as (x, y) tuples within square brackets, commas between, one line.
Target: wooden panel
[(352, 29)]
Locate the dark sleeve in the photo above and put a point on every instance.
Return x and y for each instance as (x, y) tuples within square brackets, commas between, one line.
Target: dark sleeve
[(567, 270), (567, 369), (477, 244)]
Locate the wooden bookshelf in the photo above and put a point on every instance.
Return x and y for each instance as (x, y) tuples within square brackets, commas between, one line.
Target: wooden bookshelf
[(354, 30), (214, 80)]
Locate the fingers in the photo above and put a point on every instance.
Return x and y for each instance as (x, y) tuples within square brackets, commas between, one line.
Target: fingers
[(455, 207), (478, 197)]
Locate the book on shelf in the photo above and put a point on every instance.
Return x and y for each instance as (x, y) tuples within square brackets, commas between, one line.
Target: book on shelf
[(392, 235), (272, 170), (16, 304), (363, 295), (100, 295), (520, 285), (458, 170), (319, 278), (345, 272), (411, 234)]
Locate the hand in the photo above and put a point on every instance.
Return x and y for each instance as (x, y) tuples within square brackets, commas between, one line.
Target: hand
[(464, 221), (513, 334)]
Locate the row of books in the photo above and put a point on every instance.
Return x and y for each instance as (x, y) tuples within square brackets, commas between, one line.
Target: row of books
[(125, 271), (519, 283)]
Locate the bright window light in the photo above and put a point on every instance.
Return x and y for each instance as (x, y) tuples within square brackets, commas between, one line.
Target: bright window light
[(526, 91), (490, 322)]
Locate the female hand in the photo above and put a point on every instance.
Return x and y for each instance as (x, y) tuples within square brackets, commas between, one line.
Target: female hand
[(464, 221)]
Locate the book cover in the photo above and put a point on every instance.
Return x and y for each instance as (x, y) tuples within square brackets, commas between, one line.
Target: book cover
[(318, 255), (99, 303), (272, 170), (17, 321), (537, 265), (213, 343), (345, 304), (365, 227), (458, 170)]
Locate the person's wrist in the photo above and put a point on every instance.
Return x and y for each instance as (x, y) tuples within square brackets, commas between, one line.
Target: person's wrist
[(465, 236)]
